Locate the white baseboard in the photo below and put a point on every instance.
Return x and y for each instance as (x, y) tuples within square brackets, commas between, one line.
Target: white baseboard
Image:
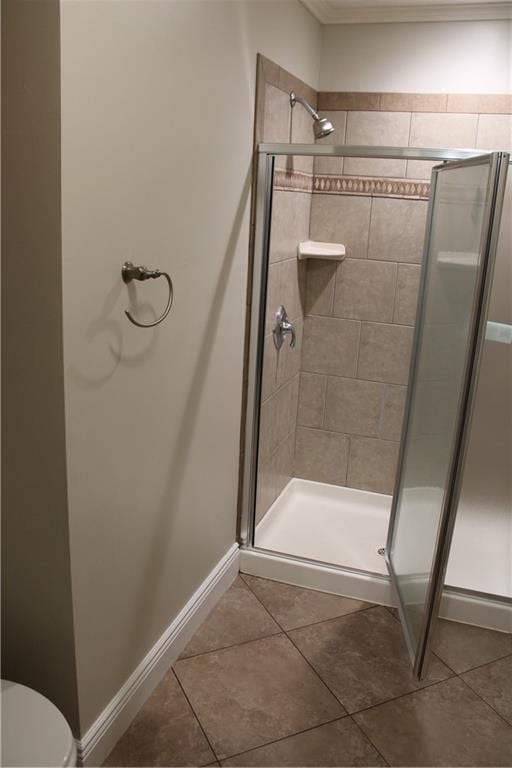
[(468, 608), (104, 733)]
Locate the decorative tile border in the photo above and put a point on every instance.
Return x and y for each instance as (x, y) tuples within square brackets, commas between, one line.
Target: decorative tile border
[(371, 186), (293, 181), (474, 103)]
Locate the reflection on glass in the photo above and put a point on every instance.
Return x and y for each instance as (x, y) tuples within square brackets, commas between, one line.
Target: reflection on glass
[(449, 300)]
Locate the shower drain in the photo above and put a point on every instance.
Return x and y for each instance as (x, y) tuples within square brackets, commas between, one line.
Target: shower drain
[(381, 551)]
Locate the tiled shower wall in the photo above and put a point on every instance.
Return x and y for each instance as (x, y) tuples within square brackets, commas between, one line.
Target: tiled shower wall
[(332, 408), (286, 281), (360, 313)]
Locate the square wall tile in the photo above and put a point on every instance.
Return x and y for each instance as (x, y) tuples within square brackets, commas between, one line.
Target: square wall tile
[(441, 129), (290, 223), (321, 276), (494, 132), (274, 472), (431, 129), (372, 464), (407, 294), (302, 133), (269, 379), (333, 165), (392, 415), (321, 456), (365, 290), (341, 219), (397, 230), (353, 406), (273, 295), (292, 288), (311, 400), (385, 352), (276, 418), (383, 129), (288, 357), (276, 121), (420, 169), (330, 346)]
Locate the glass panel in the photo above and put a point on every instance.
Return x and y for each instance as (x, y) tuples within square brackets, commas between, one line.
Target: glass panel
[(456, 261)]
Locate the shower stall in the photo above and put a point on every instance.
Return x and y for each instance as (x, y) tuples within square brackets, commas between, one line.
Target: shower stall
[(369, 320)]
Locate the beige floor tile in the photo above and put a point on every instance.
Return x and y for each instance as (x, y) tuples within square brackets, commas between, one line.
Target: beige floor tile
[(294, 607), (255, 693), (362, 658), (444, 725), (165, 732), (463, 647), (493, 682), (338, 744), (223, 627)]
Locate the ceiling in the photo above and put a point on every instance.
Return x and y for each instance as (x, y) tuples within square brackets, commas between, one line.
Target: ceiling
[(373, 11)]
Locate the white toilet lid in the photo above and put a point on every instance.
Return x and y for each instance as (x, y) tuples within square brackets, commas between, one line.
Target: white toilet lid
[(34, 732)]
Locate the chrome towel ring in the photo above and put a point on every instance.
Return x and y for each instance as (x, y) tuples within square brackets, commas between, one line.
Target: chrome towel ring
[(129, 272)]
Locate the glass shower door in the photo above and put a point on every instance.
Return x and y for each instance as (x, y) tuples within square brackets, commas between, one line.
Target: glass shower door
[(464, 215)]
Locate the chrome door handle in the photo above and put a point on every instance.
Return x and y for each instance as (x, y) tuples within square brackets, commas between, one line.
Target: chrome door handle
[(282, 327)]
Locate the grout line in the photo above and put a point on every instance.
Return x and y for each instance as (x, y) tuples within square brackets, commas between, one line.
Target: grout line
[(195, 715), (365, 735), (477, 130), (480, 666), (487, 704), (359, 340), (348, 435), (279, 631), (290, 736), (369, 607), (373, 322), (395, 296), (424, 687)]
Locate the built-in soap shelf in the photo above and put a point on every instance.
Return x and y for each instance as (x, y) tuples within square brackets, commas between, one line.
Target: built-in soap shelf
[(311, 249), (457, 259)]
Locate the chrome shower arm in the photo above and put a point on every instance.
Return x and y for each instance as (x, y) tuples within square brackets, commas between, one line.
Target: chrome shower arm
[(307, 106)]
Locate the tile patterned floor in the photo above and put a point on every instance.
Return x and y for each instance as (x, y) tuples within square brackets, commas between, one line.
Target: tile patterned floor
[(283, 676)]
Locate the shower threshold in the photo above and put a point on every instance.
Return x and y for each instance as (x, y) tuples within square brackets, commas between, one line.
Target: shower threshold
[(327, 537)]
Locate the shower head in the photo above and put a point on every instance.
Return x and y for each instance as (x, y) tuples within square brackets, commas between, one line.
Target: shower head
[(321, 125)]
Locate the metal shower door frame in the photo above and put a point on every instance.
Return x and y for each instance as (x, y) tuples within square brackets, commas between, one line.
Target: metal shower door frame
[(266, 154), (498, 162)]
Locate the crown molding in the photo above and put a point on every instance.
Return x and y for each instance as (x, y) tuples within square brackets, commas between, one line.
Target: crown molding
[(328, 12)]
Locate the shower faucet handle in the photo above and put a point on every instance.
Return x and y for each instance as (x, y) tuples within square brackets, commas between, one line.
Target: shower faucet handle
[(282, 327)]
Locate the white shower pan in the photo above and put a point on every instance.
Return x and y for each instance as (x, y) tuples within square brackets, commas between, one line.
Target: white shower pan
[(314, 530)]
